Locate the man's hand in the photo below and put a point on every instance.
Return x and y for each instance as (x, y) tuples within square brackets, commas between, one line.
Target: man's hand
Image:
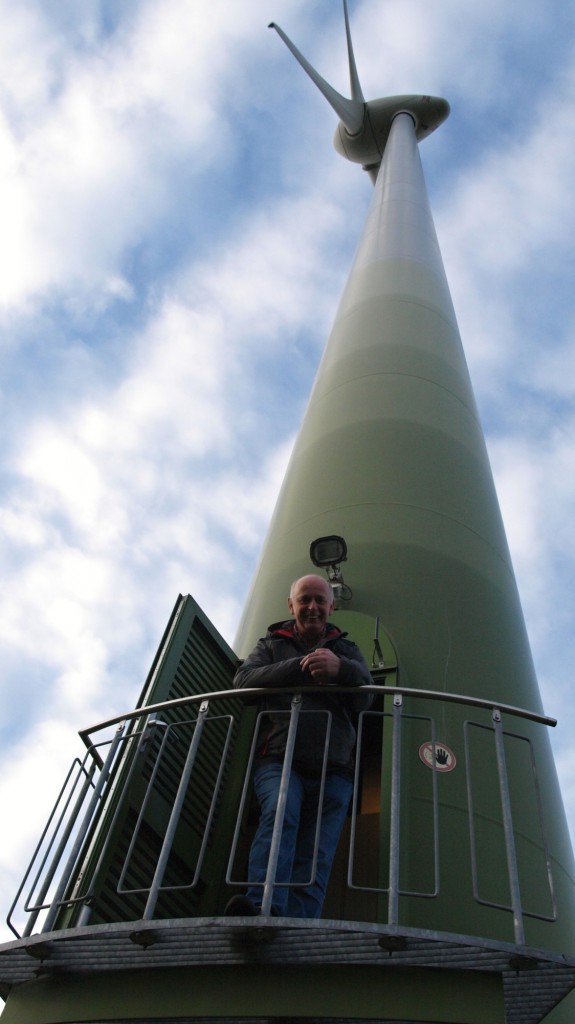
[(323, 665)]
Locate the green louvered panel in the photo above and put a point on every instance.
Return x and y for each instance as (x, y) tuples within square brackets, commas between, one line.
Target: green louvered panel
[(192, 659)]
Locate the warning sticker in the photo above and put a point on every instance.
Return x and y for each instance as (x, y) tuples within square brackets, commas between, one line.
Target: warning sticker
[(438, 756)]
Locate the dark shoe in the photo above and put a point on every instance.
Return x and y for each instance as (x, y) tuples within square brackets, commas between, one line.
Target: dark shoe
[(241, 906)]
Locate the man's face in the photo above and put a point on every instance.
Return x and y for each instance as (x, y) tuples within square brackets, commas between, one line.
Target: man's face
[(311, 604)]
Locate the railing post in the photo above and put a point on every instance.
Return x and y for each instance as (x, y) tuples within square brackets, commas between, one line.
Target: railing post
[(104, 775), (510, 850), (281, 806), (175, 814), (393, 897), (64, 839)]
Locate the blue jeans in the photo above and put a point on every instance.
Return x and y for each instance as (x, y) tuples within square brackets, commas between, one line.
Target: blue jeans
[(298, 836)]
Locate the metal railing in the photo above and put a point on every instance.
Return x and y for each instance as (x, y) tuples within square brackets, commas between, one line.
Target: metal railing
[(81, 831), (271, 881)]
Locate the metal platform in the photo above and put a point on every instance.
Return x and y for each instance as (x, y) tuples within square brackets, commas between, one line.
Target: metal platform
[(533, 981)]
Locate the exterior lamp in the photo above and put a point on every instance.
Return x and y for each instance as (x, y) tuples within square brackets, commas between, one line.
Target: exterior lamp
[(328, 553)]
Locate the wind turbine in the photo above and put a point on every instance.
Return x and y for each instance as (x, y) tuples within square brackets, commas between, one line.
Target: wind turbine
[(363, 129), (391, 459)]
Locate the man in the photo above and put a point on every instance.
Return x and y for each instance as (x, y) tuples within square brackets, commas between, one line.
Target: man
[(306, 651)]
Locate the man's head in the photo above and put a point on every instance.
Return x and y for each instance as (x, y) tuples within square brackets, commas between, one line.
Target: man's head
[(311, 604)]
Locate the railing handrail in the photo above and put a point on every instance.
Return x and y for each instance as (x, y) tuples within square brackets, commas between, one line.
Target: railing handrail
[(262, 691)]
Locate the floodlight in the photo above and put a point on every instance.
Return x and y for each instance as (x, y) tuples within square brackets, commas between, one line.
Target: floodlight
[(328, 551)]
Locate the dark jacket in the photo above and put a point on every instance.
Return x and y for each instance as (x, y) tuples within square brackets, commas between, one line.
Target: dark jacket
[(275, 662)]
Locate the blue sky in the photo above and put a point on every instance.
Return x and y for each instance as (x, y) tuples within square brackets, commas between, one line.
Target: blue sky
[(176, 232)]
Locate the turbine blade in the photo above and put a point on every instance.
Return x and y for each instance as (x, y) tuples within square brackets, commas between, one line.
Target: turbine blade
[(356, 93), (351, 111)]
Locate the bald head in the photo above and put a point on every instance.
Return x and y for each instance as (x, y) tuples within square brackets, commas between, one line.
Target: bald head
[(310, 581)]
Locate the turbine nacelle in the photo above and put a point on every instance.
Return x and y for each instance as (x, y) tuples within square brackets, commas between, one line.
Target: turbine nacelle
[(366, 146), (364, 128)]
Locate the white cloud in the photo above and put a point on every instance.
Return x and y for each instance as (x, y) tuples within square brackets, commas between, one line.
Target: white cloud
[(86, 147)]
